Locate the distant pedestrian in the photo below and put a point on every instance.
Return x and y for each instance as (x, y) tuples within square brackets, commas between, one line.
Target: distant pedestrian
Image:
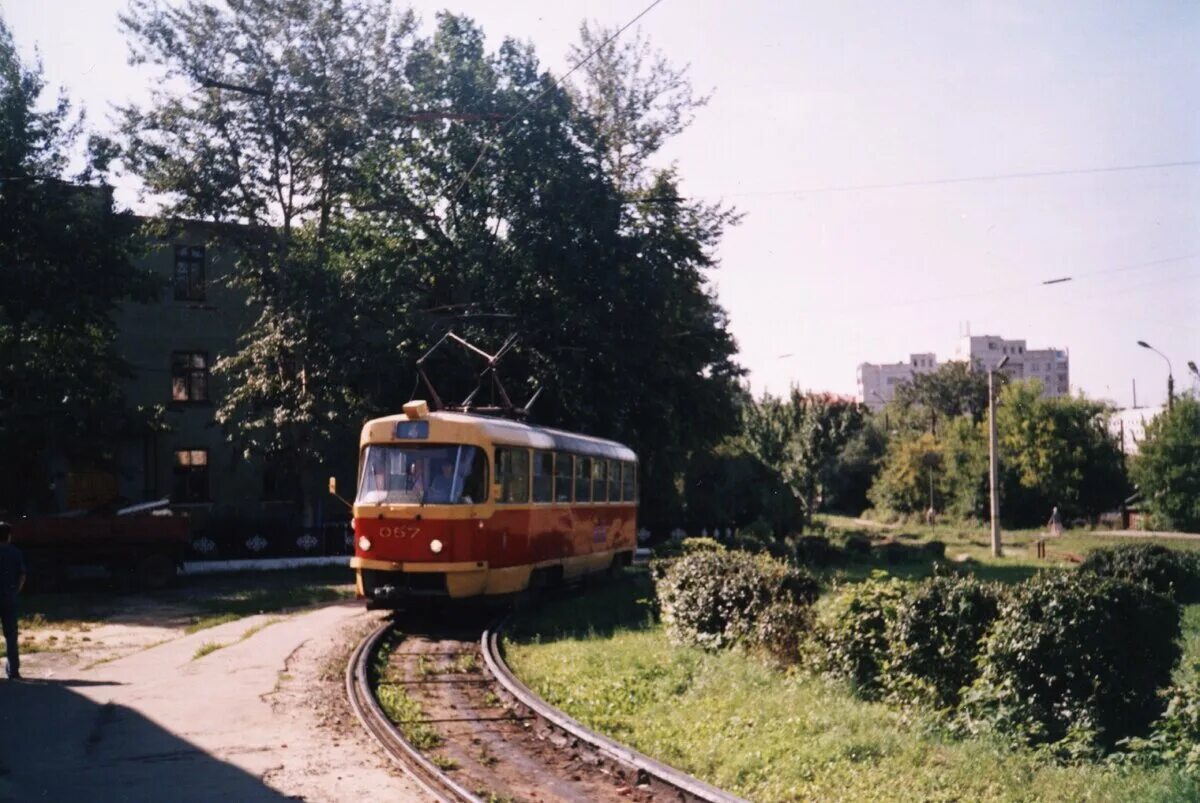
[(12, 579), (1055, 523)]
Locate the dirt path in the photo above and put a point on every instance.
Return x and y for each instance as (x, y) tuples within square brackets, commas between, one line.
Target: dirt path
[(260, 717)]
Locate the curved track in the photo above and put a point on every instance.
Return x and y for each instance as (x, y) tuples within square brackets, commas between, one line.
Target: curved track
[(489, 737)]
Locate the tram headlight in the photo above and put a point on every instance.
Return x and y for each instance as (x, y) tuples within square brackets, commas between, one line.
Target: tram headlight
[(436, 546), (364, 543)]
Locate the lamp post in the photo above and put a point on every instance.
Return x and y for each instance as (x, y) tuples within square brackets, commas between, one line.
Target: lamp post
[(993, 463), (1170, 374)]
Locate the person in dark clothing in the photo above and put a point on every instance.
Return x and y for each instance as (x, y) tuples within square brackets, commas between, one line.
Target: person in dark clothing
[(12, 578)]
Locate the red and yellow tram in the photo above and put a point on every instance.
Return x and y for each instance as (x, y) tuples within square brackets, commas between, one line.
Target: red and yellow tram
[(459, 505)]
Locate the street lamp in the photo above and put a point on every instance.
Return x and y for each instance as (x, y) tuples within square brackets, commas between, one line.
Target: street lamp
[(993, 467), (1170, 374), (1192, 367)]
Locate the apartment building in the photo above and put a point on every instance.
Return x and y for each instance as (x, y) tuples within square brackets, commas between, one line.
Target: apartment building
[(877, 382)]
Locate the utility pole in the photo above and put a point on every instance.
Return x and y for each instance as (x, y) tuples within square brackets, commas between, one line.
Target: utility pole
[(992, 459)]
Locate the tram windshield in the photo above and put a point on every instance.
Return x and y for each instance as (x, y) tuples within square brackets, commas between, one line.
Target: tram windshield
[(423, 474)]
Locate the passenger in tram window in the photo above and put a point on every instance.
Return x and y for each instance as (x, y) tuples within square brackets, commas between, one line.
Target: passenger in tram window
[(416, 478)]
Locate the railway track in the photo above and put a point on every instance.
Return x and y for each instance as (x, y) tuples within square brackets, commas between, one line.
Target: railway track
[(446, 708)]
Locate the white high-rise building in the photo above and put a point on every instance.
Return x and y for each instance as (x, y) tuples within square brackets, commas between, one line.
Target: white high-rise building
[(1051, 366), (877, 382)]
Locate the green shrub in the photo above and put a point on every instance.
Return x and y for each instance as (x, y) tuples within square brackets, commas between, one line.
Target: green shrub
[(1075, 655), (717, 599), (690, 546), (936, 638), (850, 634), (1167, 571), (1174, 739)]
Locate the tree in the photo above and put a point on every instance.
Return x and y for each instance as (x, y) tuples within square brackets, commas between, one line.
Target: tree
[(379, 229), (911, 464), (1056, 452), (800, 437), (950, 391), (65, 265), (634, 100), (1167, 467), (262, 116)]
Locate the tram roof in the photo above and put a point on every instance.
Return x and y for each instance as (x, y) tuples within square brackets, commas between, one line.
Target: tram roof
[(507, 431)]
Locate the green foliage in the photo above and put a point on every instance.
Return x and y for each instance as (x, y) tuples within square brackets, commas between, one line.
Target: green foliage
[(936, 639), (850, 633), (693, 545), (1174, 739), (846, 480), (953, 390), (387, 233), (903, 483), (1077, 658), (799, 437), (1167, 467), (717, 599), (1053, 452), (1056, 452), (1175, 574), (66, 263), (731, 487)]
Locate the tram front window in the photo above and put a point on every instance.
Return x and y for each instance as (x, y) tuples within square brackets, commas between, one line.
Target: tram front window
[(425, 474)]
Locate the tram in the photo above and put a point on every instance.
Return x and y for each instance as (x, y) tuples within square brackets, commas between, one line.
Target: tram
[(457, 505)]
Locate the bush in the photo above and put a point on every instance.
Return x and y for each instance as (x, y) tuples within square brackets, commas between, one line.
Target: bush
[(1165, 570), (1174, 739), (850, 635), (936, 638), (717, 599), (1070, 654)]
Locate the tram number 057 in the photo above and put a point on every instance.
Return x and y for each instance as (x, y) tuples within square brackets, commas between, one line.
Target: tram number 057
[(399, 532)]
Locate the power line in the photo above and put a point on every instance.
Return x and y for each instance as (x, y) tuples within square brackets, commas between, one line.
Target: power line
[(554, 82), (933, 182)]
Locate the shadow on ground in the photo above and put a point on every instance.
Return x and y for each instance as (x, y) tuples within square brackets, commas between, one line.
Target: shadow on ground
[(56, 744)]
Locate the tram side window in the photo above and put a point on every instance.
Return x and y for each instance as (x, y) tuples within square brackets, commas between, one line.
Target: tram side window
[(629, 482), (512, 474), (563, 469), (614, 481), (599, 485), (583, 479), (543, 476)]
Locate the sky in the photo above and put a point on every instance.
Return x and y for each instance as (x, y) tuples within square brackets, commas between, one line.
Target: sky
[(819, 110)]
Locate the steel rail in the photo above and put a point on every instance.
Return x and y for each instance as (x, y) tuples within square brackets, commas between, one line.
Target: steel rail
[(398, 749), (642, 765)]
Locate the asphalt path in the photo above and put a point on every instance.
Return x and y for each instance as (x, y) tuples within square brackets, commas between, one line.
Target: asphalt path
[(263, 718)]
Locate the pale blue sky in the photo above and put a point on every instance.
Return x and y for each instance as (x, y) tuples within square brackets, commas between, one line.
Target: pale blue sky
[(811, 96)]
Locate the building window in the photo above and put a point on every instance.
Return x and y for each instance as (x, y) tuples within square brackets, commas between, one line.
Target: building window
[(191, 475), (189, 376), (189, 273)]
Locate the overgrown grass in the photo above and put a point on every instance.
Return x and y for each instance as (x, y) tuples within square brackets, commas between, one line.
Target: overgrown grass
[(400, 708), (774, 736), (206, 648)]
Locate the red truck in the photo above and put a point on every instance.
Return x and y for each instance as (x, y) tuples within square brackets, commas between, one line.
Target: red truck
[(141, 544)]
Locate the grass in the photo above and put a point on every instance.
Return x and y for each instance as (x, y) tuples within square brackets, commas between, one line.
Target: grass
[(400, 708), (206, 648), (769, 735)]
